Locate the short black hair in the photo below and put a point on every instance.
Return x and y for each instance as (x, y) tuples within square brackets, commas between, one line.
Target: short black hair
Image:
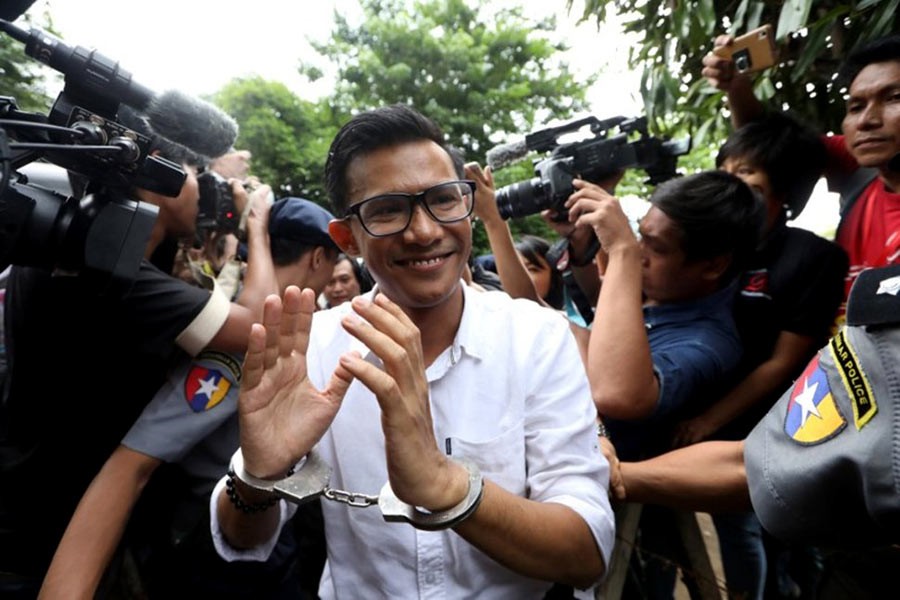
[(717, 214), (884, 49), (372, 130), (791, 154), (534, 249)]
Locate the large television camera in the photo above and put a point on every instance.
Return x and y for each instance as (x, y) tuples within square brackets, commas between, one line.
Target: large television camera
[(101, 130), (592, 159)]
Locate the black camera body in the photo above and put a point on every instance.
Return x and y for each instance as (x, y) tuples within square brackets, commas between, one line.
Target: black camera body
[(217, 211), (591, 159)]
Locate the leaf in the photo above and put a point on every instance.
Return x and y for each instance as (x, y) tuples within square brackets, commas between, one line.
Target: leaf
[(866, 4), (884, 20), (793, 17), (739, 15), (756, 11), (815, 42)]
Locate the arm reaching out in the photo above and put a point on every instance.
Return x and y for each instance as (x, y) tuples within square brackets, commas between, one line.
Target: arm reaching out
[(513, 274), (721, 74)]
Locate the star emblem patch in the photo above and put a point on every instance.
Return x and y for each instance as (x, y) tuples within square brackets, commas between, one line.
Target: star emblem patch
[(812, 415)]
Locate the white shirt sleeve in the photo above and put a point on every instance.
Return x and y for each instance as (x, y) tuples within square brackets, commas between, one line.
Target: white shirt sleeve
[(260, 553)]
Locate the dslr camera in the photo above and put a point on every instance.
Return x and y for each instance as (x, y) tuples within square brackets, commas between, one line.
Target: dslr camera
[(216, 211), (591, 159)]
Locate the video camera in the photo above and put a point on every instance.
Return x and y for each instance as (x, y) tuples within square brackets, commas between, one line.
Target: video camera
[(101, 128), (592, 159)]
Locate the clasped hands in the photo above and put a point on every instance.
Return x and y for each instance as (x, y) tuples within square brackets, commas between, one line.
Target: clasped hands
[(283, 415)]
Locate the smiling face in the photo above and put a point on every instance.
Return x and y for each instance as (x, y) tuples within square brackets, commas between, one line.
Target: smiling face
[(872, 122), (419, 268)]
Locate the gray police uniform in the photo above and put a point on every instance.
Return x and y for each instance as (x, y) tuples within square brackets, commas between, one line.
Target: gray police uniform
[(192, 420), (823, 466)]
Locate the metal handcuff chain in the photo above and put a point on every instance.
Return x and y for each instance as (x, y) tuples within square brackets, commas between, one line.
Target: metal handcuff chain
[(311, 478)]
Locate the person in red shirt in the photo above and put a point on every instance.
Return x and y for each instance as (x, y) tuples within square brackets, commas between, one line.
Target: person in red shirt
[(864, 162)]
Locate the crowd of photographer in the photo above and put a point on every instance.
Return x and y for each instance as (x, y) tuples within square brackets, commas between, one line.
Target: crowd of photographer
[(211, 414)]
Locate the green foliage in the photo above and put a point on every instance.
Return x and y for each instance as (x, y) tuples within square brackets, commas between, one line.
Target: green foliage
[(485, 75), (21, 76), (478, 71), (288, 136), (812, 37)]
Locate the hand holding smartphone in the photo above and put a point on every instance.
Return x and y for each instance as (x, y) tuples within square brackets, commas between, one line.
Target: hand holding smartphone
[(751, 52)]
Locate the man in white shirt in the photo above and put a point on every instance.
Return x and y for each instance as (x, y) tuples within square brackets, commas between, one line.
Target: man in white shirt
[(425, 372)]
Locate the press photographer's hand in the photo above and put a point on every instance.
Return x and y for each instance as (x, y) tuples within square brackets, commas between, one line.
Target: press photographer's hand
[(485, 200), (593, 207)]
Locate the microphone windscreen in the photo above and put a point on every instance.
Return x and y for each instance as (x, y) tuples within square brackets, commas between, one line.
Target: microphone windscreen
[(193, 123), (506, 154)]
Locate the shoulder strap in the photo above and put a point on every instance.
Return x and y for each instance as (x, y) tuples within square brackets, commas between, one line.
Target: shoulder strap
[(853, 187)]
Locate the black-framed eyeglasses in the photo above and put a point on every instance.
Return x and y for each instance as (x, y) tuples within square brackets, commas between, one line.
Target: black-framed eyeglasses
[(390, 214)]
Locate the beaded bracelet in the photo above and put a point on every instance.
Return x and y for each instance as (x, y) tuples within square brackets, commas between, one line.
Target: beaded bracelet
[(236, 499), (240, 504)]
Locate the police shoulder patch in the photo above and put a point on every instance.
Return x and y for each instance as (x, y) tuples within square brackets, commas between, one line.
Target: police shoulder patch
[(207, 383), (854, 378), (812, 415)]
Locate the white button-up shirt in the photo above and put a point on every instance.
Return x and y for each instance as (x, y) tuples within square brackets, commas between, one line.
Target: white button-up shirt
[(512, 395)]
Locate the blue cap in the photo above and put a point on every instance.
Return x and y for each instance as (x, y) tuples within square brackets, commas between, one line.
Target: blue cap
[(300, 220)]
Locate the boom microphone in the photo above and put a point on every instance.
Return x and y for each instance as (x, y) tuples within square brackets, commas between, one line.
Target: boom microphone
[(90, 76), (506, 154), (89, 70), (191, 122)]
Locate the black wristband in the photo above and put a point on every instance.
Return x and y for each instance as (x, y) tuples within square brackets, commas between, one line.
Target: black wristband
[(588, 257)]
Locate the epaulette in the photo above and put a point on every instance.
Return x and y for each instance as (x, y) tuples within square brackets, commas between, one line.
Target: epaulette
[(875, 297)]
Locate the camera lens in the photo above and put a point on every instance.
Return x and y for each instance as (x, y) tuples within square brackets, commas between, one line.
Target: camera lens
[(521, 199), (742, 60)]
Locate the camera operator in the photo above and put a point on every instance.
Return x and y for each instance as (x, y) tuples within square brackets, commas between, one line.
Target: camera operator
[(199, 402), (663, 336), (85, 358), (511, 269)]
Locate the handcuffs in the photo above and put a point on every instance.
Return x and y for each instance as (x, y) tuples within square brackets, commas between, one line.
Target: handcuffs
[(312, 475)]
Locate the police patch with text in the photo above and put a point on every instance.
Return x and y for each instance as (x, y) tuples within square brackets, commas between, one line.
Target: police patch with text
[(855, 382)]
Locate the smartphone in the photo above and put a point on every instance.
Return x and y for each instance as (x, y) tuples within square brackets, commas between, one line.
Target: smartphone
[(753, 51)]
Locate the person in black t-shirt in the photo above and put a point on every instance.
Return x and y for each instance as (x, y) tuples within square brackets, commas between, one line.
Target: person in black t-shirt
[(85, 357)]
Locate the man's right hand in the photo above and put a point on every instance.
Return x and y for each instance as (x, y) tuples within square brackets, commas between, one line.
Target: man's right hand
[(282, 415), (722, 74), (718, 70)]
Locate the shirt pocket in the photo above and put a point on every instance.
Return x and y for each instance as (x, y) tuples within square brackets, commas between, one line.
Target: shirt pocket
[(501, 458)]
